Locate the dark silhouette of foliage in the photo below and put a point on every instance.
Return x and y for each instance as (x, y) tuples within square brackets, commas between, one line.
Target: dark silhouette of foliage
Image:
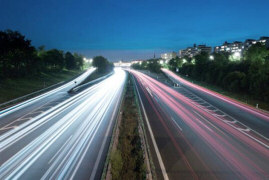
[(19, 58), (249, 76), (102, 64), (70, 61)]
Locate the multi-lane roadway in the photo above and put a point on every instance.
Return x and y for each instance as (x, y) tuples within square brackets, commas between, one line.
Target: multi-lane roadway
[(192, 137), (193, 133), (68, 141)]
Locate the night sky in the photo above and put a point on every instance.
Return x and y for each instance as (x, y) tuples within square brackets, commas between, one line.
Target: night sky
[(134, 29)]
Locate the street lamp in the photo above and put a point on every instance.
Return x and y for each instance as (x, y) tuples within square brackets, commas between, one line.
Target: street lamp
[(211, 57), (237, 55)]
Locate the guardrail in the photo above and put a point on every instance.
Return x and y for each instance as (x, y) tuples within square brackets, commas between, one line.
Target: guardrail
[(13, 101)]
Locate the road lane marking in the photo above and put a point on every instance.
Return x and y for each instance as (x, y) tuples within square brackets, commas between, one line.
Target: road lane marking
[(97, 162), (176, 123), (164, 173), (9, 127), (60, 149), (206, 120)]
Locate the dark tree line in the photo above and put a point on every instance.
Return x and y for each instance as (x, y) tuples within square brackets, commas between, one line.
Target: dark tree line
[(19, 58), (249, 75), (152, 64), (102, 64)]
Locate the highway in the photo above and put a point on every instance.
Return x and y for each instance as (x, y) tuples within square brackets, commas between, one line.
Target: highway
[(254, 118), (14, 116), (68, 141), (190, 138)]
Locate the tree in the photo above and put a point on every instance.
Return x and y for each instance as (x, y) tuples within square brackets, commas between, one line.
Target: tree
[(175, 63), (136, 66), (17, 55), (102, 64), (70, 62), (79, 61), (154, 66), (257, 52), (54, 59), (201, 61), (235, 81)]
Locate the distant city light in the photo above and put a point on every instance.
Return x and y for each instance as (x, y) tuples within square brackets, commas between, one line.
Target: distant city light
[(87, 60), (237, 55)]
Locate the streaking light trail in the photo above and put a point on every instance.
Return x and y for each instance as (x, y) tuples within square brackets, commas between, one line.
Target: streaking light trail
[(68, 141), (214, 144)]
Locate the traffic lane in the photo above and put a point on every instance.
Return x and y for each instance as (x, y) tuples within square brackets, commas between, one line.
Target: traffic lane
[(62, 89), (80, 166), (21, 137), (22, 115), (232, 143), (239, 114), (241, 132), (256, 119), (107, 101), (40, 121), (179, 157)]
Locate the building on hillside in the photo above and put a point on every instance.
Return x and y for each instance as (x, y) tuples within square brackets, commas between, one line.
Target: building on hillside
[(168, 56), (234, 47), (239, 47), (195, 50)]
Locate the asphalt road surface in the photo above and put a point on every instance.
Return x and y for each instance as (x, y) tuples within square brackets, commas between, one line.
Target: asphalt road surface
[(190, 138), (12, 117), (68, 141), (251, 117)]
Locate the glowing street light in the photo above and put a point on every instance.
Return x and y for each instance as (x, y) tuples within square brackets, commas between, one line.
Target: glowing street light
[(211, 57), (237, 55)]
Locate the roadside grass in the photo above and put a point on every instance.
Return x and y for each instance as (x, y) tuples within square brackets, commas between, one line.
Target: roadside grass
[(127, 160), (14, 88), (244, 98)]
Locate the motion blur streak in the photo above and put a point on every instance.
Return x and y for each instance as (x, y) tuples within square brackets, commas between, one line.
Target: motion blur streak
[(64, 87), (64, 142), (263, 115), (212, 145)]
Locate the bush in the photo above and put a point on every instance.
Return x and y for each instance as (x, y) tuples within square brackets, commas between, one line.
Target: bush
[(116, 164), (235, 81)]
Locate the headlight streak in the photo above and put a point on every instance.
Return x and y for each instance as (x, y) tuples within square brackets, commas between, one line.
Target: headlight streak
[(16, 134), (222, 144), (86, 118), (35, 99)]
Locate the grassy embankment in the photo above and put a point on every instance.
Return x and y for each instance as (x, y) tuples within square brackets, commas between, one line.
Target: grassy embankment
[(127, 155), (14, 88), (245, 98)]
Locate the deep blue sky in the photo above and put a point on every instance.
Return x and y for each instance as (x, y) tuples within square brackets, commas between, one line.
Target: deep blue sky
[(130, 29)]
